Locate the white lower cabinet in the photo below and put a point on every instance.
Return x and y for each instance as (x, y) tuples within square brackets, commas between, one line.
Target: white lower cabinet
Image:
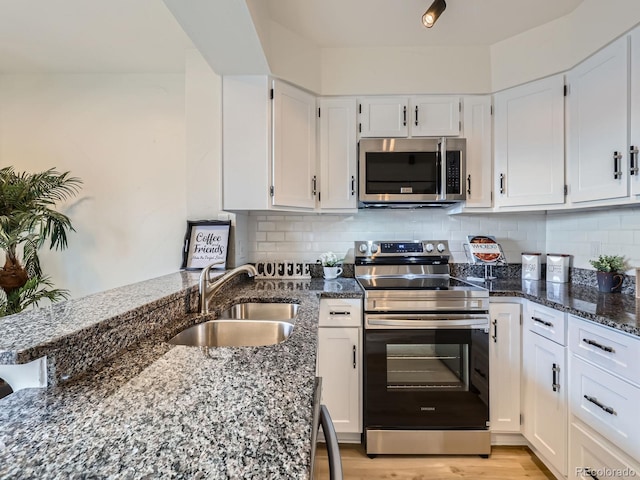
[(545, 393), (603, 402), (591, 456), (504, 367), (340, 364)]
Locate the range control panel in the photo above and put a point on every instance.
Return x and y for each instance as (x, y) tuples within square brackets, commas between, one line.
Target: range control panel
[(410, 248)]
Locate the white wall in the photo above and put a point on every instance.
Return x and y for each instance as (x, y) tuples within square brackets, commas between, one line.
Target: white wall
[(585, 235), (123, 135), (561, 44), (282, 236), (405, 70), (203, 127)]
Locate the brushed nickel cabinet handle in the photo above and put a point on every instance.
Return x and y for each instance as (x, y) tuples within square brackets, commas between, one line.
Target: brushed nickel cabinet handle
[(595, 401), (633, 157), (616, 165), (555, 385)]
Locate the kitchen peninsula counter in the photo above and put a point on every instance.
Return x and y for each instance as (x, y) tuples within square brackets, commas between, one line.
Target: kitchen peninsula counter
[(160, 411)]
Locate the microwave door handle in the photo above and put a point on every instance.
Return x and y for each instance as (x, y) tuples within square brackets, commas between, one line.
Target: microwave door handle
[(439, 174), (440, 168)]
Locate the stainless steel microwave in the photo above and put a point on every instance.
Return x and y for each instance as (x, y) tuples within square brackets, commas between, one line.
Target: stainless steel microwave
[(411, 172)]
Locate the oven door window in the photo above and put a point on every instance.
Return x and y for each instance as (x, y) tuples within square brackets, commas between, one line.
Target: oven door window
[(427, 367), (432, 378)]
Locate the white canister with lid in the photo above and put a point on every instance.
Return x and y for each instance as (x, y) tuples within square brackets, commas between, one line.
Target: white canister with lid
[(531, 266), (558, 267)]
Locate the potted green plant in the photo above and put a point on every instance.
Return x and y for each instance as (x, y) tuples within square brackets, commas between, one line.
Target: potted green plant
[(331, 265), (28, 220), (608, 271)]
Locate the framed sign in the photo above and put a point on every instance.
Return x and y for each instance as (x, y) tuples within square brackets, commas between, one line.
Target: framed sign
[(205, 242)]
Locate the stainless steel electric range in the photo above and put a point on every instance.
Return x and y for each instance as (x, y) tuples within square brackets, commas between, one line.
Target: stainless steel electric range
[(426, 370)]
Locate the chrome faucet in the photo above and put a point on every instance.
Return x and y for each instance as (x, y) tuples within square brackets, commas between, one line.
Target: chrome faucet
[(209, 287)]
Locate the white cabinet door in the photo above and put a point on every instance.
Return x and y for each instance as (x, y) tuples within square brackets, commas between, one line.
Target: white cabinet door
[(504, 367), (634, 160), (545, 394), (294, 147), (339, 359), (384, 116), (478, 132), (529, 144), (246, 142), (597, 123), (338, 154), (435, 116), (592, 457)]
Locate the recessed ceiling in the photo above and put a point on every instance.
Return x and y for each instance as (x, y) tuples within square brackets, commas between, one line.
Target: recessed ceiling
[(395, 23), (78, 36)]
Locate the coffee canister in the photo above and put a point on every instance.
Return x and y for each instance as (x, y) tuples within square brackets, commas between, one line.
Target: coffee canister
[(558, 267), (531, 266)]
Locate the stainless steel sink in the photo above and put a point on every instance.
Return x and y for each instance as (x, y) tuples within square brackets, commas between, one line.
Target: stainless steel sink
[(261, 311), (242, 325)]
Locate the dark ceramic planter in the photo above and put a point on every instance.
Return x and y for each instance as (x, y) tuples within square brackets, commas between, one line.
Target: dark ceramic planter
[(610, 282)]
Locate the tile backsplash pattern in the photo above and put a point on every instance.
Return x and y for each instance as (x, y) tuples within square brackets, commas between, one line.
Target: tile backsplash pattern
[(303, 237), (585, 235)]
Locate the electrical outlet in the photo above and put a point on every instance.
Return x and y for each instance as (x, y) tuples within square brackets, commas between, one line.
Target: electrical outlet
[(595, 249)]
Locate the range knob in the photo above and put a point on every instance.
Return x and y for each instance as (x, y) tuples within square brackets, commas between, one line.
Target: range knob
[(429, 247), (363, 247), (441, 248), (374, 247)]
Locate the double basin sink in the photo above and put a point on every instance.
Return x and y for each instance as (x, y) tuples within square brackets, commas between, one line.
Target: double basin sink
[(243, 325)]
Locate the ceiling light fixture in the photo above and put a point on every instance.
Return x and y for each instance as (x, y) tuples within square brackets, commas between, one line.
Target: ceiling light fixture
[(432, 14)]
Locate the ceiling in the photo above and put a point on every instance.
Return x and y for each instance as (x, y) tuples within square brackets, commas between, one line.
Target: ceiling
[(72, 36), (77, 36), (378, 23)]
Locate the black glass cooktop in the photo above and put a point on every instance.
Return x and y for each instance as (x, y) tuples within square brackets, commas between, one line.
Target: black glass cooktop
[(415, 283)]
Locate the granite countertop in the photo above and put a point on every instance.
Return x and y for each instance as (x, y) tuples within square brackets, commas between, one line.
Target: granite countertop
[(615, 310), (162, 411)]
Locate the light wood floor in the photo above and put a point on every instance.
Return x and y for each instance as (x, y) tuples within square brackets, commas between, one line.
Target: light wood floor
[(504, 463)]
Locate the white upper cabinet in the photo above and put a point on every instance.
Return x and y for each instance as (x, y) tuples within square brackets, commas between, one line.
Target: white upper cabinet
[(634, 159), (416, 116), (337, 154), (295, 181), (246, 146), (435, 116), (478, 132), (269, 145), (598, 106), (384, 117), (529, 144)]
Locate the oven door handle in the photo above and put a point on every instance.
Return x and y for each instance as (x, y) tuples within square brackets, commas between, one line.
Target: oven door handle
[(373, 322)]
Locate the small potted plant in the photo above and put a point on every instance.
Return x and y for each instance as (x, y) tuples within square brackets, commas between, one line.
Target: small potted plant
[(331, 265), (609, 268)]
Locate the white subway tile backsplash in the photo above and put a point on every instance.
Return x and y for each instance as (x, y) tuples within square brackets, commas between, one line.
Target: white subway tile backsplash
[(303, 237), (275, 236)]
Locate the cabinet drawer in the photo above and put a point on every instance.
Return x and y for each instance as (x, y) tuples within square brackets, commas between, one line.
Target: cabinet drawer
[(613, 351), (340, 312), (547, 322), (606, 403), (590, 455)]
